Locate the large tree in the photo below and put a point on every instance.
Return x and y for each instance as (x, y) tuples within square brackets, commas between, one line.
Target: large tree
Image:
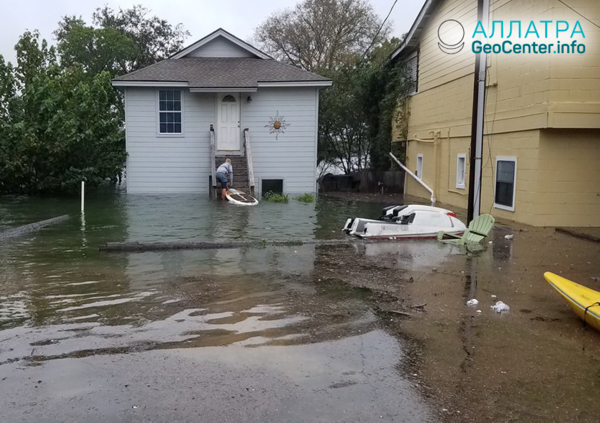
[(322, 34), (95, 50), (60, 118), (60, 128), (117, 41)]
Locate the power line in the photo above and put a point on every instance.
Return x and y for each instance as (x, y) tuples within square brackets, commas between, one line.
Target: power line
[(584, 17), (380, 28)]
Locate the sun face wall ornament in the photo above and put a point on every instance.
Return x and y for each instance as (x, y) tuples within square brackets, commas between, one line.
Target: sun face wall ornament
[(277, 125)]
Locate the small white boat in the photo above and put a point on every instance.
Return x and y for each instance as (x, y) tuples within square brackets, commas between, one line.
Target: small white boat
[(406, 222)]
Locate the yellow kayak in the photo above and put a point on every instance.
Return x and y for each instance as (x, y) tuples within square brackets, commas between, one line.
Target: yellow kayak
[(579, 298)]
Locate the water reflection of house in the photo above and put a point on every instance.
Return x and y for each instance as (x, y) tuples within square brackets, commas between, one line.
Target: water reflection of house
[(541, 150), (187, 217)]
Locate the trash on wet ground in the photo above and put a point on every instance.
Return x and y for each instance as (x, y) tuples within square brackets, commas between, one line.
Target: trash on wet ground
[(472, 302), (500, 307), (509, 236)]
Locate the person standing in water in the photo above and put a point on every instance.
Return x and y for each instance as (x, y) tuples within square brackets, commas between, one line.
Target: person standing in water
[(224, 172)]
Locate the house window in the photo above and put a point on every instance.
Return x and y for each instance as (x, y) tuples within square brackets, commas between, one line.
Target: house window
[(169, 111), (506, 180), (412, 63), (275, 185), (420, 166), (229, 99), (461, 167)]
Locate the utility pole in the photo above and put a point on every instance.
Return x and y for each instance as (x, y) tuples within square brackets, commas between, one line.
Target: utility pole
[(483, 13)]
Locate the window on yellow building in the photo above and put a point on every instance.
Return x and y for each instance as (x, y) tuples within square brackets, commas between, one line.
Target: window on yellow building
[(420, 166), (461, 167), (506, 183)]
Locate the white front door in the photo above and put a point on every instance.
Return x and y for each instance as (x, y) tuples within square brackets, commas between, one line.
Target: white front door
[(228, 130)]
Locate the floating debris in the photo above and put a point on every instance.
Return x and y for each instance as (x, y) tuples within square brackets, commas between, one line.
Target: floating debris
[(500, 307)]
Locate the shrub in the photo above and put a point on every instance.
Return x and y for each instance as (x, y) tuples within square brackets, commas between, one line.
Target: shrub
[(276, 198), (305, 198)]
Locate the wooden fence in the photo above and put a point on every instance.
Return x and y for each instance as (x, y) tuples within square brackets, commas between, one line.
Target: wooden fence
[(364, 181)]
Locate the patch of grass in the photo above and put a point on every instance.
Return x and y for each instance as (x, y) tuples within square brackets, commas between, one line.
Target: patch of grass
[(276, 198), (305, 198), (262, 244), (290, 243)]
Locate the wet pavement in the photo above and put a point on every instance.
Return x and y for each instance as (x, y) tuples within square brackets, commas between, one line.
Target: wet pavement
[(535, 364), (353, 333)]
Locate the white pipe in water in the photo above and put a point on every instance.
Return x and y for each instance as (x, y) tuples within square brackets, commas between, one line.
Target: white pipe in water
[(82, 195)]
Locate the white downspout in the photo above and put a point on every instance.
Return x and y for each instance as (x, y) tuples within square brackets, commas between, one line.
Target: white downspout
[(419, 180)]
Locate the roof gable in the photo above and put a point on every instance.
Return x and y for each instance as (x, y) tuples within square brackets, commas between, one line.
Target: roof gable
[(412, 38), (220, 43)]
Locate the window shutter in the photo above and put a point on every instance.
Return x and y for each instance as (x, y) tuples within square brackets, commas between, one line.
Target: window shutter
[(413, 66)]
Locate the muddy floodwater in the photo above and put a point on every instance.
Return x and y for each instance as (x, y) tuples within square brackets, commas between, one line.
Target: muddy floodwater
[(351, 333)]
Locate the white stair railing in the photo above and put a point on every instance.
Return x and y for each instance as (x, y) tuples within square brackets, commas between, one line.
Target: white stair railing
[(416, 178), (248, 150), (212, 159)]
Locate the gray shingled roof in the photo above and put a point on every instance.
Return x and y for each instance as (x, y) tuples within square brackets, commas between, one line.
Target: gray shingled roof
[(217, 72)]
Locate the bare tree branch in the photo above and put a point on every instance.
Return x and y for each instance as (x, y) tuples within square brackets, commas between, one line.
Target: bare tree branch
[(322, 34)]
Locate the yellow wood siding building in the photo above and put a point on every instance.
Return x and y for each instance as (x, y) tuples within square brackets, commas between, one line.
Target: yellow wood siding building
[(542, 115)]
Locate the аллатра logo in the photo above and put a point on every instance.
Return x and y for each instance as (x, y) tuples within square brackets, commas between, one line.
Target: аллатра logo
[(451, 34)]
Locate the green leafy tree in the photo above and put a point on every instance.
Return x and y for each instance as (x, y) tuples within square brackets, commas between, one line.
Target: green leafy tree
[(59, 128), (33, 56), (60, 117), (358, 111), (95, 50), (156, 39), (117, 41), (8, 89)]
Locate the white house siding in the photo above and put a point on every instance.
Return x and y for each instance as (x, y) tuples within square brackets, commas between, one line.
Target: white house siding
[(220, 47), (158, 163), (292, 156)]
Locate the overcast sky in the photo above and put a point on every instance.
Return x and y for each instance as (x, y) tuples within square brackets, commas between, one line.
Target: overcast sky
[(200, 17)]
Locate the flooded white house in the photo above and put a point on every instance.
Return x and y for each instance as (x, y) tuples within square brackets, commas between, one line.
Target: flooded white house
[(221, 97)]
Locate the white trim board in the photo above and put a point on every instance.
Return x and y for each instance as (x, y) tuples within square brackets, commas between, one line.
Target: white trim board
[(276, 84), (316, 188), (221, 33), (177, 84), (224, 90)]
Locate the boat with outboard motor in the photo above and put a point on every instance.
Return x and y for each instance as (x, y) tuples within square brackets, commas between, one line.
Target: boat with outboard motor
[(413, 221)]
